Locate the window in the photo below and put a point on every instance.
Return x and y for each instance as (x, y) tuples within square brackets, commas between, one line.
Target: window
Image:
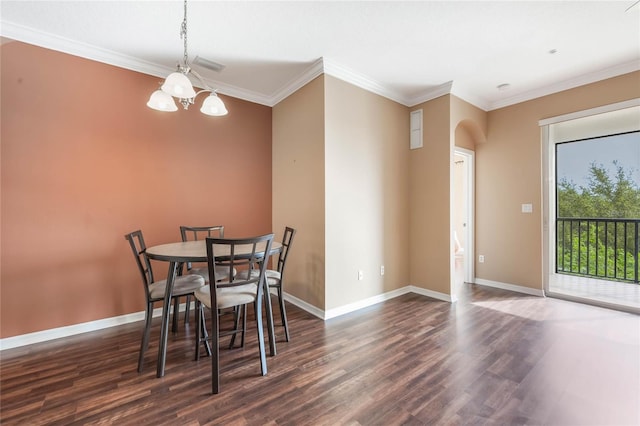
[(591, 162)]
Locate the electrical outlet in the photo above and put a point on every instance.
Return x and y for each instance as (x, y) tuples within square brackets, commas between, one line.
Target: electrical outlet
[(360, 275), (481, 258), (382, 270)]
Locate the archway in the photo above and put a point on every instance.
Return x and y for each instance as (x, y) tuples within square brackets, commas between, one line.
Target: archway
[(467, 135)]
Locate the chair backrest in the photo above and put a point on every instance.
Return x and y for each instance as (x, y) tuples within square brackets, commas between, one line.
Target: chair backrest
[(138, 247), (227, 254), (287, 241), (193, 233), (190, 233)]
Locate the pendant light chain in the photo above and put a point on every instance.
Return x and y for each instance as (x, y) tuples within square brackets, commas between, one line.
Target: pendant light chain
[(177, 85), (183, 35)]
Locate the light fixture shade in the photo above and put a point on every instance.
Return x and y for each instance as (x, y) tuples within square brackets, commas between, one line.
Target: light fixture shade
[(161, 101), (213, 105), (178, 85)]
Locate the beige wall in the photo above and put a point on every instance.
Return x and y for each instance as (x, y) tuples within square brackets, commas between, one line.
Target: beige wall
[(509, 173), (367, 193), (430, 244), (299, 188), (340, 176), (84, 161)]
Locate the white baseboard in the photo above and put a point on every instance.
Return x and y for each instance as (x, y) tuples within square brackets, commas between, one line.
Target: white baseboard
[(512, 287), (433, 294), (352, 307), (304, 305), (56, 333), (85, 327)]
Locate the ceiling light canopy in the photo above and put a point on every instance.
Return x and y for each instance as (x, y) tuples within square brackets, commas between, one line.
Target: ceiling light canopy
[(177, 85)]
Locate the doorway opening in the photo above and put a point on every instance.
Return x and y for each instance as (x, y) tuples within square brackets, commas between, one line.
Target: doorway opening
[(462, 218)]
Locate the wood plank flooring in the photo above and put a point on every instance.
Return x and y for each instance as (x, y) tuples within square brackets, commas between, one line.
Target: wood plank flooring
[(495, 357)]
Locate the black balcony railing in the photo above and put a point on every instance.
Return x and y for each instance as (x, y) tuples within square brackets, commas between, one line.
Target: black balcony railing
[(601, 248)]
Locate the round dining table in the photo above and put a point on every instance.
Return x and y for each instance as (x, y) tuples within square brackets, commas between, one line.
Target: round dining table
[(196, 251)]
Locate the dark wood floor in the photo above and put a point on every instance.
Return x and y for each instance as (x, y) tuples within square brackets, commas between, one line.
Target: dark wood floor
[(495, 357)]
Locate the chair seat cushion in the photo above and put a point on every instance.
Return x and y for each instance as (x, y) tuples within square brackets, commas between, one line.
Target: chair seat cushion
[(243, 275), (273, 277), (270, 273), (229, 296), (183, 285), (222, 273)]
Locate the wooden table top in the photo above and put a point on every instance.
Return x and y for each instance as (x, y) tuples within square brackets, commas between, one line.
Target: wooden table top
[(196, 251)]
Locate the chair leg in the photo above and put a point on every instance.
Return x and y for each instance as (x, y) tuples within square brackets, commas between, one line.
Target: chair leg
[(198, 327), (239, 311), (187, 310), (283, 313), (205, 335), (244, 324), (201, 330), (215, 355), (263, 356), (144, 344), (236, 324), (269, 315), (176, 305)]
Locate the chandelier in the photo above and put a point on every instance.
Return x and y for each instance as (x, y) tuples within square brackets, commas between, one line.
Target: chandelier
[(177, 85)]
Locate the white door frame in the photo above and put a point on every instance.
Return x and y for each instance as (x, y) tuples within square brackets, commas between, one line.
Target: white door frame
[(469, 194)]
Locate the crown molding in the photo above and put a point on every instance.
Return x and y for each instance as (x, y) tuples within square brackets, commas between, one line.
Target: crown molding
[(314, 70), (449, 88), (329, 67), (341, 72), (581, 80), (238, 92), (469, 97), (430, 94), (322, 65), (76, 48), (87, 51)]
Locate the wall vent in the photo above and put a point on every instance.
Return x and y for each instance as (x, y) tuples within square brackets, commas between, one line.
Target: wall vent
[(416, 129)]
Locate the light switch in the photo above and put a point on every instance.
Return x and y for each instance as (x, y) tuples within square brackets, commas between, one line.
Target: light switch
[(527, 208)]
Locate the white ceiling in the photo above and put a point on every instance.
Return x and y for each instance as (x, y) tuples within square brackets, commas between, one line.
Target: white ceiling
[(407, 51)]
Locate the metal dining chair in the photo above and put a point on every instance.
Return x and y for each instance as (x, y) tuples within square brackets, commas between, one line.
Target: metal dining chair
[(275, 277), (233, 292), (155, 290), (194, 233)]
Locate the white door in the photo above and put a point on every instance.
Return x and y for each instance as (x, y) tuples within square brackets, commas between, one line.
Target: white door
[(462, 214)]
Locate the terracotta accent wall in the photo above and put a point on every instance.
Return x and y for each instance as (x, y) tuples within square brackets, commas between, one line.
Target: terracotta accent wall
[(367, 193), (299, 188), (84, 161), (430, 239), (509, 173)]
